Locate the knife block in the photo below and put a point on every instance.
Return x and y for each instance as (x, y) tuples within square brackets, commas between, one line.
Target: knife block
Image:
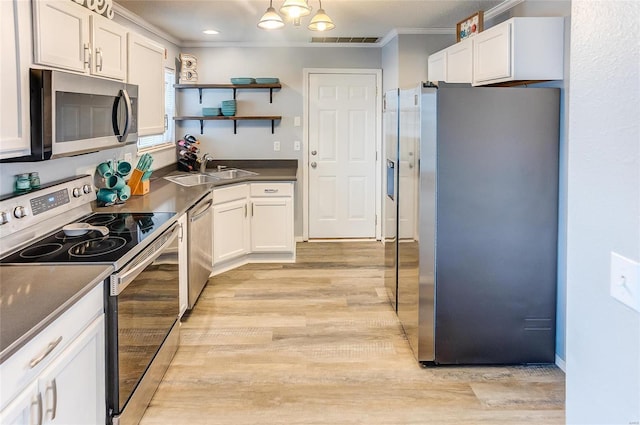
[(137, 185)]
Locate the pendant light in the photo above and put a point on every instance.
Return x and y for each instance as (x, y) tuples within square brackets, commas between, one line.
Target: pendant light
[(295, 8), (270, 20), (321, 21)]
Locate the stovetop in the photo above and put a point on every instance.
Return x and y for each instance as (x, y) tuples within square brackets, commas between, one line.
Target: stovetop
[(126, 231)]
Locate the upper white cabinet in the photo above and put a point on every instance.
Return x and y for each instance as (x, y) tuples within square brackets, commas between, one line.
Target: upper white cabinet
[(15, 51), (146, 69), (69, 36), (519, 49), (109, 43), (437, 66)]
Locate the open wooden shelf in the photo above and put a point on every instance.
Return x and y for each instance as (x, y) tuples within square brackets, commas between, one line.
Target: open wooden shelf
[(233, 87), (272, 118)]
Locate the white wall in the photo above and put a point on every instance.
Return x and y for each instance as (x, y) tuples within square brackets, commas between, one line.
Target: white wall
[(413, 54), (603, 335)]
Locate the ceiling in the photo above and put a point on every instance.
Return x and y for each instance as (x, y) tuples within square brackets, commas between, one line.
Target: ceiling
[(236, 20)]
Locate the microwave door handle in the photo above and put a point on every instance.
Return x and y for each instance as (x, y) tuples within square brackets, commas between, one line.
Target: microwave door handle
[(120, 281), (127, 125)]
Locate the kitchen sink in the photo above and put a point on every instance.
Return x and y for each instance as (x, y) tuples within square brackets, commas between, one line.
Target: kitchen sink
[(193, 179), (232, 173)]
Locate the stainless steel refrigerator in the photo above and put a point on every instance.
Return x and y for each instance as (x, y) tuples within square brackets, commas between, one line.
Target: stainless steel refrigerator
[(471, 219)]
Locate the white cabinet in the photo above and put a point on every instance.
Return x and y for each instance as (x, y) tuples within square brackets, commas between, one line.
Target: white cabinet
[(519, 49), (437, 66), (230, 223), (109, 44), (59, 376), (146, 69), (15, 51), (183, 264), (69, 36), (272, 217), (460, 62)]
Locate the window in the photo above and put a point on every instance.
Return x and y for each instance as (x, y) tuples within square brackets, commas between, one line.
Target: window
[(147, 143)]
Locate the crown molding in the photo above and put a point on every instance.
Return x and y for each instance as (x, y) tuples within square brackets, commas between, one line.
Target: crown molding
[(306, 44), (139, 21), (501, 8), (413, 31)]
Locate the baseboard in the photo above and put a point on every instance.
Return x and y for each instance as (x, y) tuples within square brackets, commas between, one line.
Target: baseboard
[(561, 364)]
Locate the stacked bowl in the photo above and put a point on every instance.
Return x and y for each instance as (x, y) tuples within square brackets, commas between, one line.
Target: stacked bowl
[(228, 108)]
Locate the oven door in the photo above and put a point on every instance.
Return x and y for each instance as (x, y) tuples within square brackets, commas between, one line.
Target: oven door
[(142, 313)]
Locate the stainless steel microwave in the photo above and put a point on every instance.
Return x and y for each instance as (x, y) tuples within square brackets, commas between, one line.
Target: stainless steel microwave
[(74, 114)]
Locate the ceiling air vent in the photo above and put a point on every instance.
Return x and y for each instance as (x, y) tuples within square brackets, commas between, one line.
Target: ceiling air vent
[(369, 40)]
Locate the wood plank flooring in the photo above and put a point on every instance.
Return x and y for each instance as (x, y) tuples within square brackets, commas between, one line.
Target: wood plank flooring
[(316, 342)]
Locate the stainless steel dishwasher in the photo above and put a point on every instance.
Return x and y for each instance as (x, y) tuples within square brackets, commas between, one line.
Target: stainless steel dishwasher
[(200, 240)]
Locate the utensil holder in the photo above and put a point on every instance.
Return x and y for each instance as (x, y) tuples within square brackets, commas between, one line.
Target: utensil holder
[(137, 185)]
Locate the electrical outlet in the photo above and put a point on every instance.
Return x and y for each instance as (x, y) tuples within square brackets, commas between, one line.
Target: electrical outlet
[(276, 146), (625, 281), (296, 145), (128, 157)]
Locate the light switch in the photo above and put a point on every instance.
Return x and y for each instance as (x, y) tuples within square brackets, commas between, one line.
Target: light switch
[(625, 281), (296, 121), (276, 146), (296, 145), (128, 157)]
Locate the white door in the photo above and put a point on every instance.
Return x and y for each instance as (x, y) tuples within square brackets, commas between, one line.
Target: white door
[(342, 155)]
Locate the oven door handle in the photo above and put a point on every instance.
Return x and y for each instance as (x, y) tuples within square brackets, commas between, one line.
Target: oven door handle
[(120, 281)]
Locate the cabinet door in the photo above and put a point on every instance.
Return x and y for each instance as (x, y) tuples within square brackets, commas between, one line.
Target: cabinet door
[(459, 62), (492, 53), (61, 34), (271, 225), (109, 43), (230, 230), (15, 40), (26, 408), (73, 386), (146, 69), (437, 66), (183, 264)]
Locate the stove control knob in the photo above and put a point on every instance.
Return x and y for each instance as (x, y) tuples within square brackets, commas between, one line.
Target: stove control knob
[(4, 218), (77, 192), (86, 188), (19, 212)]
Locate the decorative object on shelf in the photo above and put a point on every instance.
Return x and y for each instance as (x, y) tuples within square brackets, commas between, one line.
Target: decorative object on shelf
[(210, 112), (267, 80), (188, 68), (243, 80), (294, 10), (470, 26), (101, 7), (228, 108)]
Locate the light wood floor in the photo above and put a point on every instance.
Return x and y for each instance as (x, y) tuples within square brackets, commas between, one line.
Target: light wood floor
[(316, 342)]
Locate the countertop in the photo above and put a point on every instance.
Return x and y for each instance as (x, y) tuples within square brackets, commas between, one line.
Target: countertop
[(33, 297), (166, 196)]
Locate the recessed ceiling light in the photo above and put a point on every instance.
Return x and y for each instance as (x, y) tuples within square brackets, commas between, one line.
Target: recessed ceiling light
[(211, 32)]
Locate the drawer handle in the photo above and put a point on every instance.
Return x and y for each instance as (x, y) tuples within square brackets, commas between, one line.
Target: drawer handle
[(37, 402), (53, 386), (52, 345), (271, 191)]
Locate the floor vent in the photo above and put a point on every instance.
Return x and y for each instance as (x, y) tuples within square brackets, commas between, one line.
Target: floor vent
[(368, 40)]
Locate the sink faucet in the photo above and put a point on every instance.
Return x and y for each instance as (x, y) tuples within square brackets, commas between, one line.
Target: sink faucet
[(203, 162)]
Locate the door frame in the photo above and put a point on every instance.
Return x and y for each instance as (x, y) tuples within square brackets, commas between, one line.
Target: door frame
[(305, 144)]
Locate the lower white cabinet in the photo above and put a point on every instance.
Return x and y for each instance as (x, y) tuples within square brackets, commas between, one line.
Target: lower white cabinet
[(59, 387), (252, 222)]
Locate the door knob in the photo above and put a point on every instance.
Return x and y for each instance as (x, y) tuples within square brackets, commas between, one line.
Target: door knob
[(314, 165), (314, 152)]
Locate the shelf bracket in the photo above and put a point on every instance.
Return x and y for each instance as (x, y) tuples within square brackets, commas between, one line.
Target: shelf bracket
[(271, 95), (235, 124), (234, 93), (201, 126), (273, 124), (200, 91)]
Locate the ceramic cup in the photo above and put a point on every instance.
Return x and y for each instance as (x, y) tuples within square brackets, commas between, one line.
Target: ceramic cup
[(123, 168), (124, 193), (106, 196), (114, 182), (104, 169)]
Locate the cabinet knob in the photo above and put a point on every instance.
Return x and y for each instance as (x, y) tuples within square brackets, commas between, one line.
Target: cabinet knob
[(314, 165)]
